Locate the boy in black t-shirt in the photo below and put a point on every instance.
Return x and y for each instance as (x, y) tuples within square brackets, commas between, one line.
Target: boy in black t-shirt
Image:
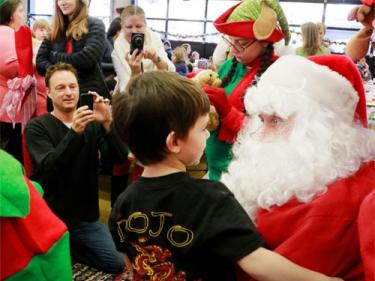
[(171, 226)]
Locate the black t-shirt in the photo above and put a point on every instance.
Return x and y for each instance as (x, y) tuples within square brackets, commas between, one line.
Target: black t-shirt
[(182, 227)]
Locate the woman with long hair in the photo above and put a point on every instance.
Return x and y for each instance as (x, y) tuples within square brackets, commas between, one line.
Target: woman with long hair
[(312, 42), (17, 81), (250, 28), (77, 39)]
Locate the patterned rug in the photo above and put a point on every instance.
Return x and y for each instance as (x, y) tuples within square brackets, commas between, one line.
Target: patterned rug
[(85, 273)]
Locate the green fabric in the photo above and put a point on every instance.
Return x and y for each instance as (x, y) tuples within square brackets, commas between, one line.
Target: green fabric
[(55, 265), (14, 193), (38, 187), (251, 9), (302, 53), (247, 10), (218, 153), (2, 2)]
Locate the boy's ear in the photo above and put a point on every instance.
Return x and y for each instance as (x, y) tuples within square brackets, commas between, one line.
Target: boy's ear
[(172, 143)]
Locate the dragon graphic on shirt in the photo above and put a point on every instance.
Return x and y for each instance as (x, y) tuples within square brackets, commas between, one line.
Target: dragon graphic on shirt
[(151, 263)]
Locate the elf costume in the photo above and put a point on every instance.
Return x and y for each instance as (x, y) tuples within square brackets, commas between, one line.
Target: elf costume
[(250, 19), (34, 242)]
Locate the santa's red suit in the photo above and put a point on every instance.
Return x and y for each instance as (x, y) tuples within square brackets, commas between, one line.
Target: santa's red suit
[(366, 226), (323, 234), (327, 234)]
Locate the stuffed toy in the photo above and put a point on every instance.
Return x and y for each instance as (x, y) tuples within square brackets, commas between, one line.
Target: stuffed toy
[(204, 78), (357, 47)]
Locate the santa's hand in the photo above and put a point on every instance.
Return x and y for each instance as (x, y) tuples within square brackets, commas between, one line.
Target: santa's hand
[(219, 100)]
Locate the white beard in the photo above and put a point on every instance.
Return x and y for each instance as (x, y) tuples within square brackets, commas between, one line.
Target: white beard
[(267, 173)]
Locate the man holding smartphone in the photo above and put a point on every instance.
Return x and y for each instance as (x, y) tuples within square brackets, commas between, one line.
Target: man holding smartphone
[(63, 148)]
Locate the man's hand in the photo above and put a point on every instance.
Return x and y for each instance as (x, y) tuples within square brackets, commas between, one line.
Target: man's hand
[(102, 111), (219, 100), (81, 117)]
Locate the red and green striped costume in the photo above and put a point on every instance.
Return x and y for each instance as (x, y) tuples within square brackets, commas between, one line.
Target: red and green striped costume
[(34, 242)]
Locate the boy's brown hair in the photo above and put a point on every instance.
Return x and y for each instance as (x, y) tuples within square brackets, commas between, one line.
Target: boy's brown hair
[(60, 66), (155, 104)]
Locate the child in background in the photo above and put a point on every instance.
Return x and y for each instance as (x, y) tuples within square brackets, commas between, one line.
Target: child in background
[(41, 30), (168, 223), (364, 69), (179, 58), (311, 41)]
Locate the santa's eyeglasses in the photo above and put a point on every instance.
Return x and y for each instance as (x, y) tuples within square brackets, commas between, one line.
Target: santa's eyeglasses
[(240, 45)]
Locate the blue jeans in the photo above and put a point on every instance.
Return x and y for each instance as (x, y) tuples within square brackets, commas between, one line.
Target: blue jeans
[(91, 244)]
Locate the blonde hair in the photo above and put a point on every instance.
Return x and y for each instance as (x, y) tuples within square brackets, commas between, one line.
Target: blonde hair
[(75, 28), (180, 54), (310, 38), (42, 23), (321, 26), (132, 10)]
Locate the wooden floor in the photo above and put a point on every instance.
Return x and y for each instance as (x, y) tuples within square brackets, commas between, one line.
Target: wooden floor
[(197, 171)]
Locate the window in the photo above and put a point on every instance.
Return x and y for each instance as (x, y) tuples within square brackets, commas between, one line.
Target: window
[(181, 30), (190, 10), (45, 9), (217, 7), (154, 8), (299, 13), (336, 16)]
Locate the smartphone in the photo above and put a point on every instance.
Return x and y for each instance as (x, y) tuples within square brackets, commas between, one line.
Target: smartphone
[(86, 99), (137, 42)]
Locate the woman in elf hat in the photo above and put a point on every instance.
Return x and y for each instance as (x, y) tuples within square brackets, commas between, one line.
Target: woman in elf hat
[(17, 82), (77, 39), (250, 27)]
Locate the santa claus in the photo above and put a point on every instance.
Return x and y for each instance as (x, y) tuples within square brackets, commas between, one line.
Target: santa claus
[(305, 161)]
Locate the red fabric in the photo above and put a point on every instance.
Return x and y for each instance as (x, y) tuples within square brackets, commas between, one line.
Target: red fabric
[(26, 158), (121, 169), (366, 227), (368, 3), (24, 50), (321, 235), (23, 238), (243, 29), (232, 123), (194, 73), (69, 46), (136, 172), (219, 100), (345, 67)]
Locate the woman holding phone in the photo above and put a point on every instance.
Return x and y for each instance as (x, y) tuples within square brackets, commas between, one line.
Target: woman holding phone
[(153, 55), (77, 39)]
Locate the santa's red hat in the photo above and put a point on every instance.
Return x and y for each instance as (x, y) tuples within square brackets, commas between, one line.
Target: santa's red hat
[(332, 81), (345, 67)]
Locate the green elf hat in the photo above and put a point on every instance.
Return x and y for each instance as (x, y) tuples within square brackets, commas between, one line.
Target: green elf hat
[(255, 19)]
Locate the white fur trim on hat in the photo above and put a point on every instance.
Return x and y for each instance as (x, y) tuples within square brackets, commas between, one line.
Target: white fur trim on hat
[(293, 75)]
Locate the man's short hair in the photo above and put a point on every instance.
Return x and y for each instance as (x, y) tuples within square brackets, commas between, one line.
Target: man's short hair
[(155, 104), (60, 66)]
